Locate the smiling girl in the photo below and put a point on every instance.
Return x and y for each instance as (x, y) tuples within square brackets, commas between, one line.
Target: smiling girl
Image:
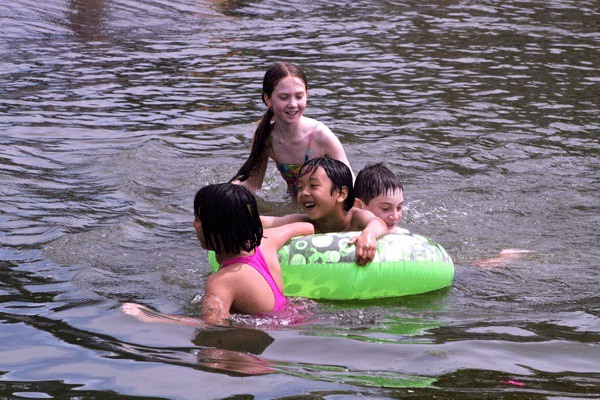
[(284, 134)]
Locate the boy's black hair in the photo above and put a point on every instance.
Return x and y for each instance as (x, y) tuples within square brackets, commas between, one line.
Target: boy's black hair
[(374, 180), (338, 172), (229, 217)]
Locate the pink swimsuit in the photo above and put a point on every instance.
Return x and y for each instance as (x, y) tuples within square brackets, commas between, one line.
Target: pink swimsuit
[(258, 262)]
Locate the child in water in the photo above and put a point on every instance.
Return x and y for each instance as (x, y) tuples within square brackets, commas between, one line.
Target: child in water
[(326, 193), (378, 190), (249, 280), (284, 133)]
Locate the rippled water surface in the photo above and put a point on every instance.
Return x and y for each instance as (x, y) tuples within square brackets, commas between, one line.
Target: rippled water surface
[(114, 112)]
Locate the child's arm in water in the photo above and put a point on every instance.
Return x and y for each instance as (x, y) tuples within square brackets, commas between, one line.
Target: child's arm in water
[(214, 312), (504, 258), (372, 228), (255, 180), (222, 289), (146, 314)]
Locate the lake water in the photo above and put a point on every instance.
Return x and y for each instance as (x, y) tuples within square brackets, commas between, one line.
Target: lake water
[(114, 112)]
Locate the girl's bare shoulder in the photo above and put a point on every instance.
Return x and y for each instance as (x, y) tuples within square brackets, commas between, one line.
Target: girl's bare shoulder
[(324, 137)]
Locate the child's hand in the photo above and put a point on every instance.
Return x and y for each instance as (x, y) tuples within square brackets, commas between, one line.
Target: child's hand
[(366, 245)]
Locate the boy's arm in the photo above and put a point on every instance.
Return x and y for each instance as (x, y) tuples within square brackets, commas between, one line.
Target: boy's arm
[(274, 222), (372, 229)]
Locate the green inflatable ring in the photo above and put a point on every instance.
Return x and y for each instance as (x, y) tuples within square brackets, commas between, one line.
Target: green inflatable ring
[(322, 267)]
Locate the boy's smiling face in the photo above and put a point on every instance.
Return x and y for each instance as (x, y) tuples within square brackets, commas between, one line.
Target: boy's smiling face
[(388, 207), (314, 194)]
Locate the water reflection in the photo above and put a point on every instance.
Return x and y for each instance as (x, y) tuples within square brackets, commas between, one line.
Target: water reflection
[(236, 339), (233, 350), (87, 19), (229, 349), (233, 8)]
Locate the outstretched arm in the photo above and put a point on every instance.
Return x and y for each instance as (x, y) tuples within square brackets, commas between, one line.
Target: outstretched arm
[(215, 305), (275, 222), (147, 314), (274, 238), (504, 257), (372, 229), (257, 176)]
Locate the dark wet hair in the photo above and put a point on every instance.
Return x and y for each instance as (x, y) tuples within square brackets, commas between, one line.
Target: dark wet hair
[(274, 74), (338, 172), (229, 217), (374, 180)]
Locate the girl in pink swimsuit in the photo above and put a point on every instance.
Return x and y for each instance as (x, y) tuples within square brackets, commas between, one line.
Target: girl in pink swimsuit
[(285, 131), (249, 280)]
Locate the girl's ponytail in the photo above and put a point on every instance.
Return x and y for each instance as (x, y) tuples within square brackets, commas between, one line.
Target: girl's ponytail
[(259, 143), (273, 75)]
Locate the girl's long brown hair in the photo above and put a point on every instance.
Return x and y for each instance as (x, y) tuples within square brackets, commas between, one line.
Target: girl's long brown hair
[(274, 74)]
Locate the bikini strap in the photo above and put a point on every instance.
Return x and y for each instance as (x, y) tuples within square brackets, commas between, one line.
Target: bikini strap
[(308, 146), (310, 139)]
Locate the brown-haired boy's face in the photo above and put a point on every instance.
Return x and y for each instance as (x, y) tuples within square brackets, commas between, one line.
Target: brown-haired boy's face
[(388, 207)]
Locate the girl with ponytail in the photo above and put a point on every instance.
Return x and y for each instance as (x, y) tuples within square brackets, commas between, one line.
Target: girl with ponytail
[(284, 134)]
